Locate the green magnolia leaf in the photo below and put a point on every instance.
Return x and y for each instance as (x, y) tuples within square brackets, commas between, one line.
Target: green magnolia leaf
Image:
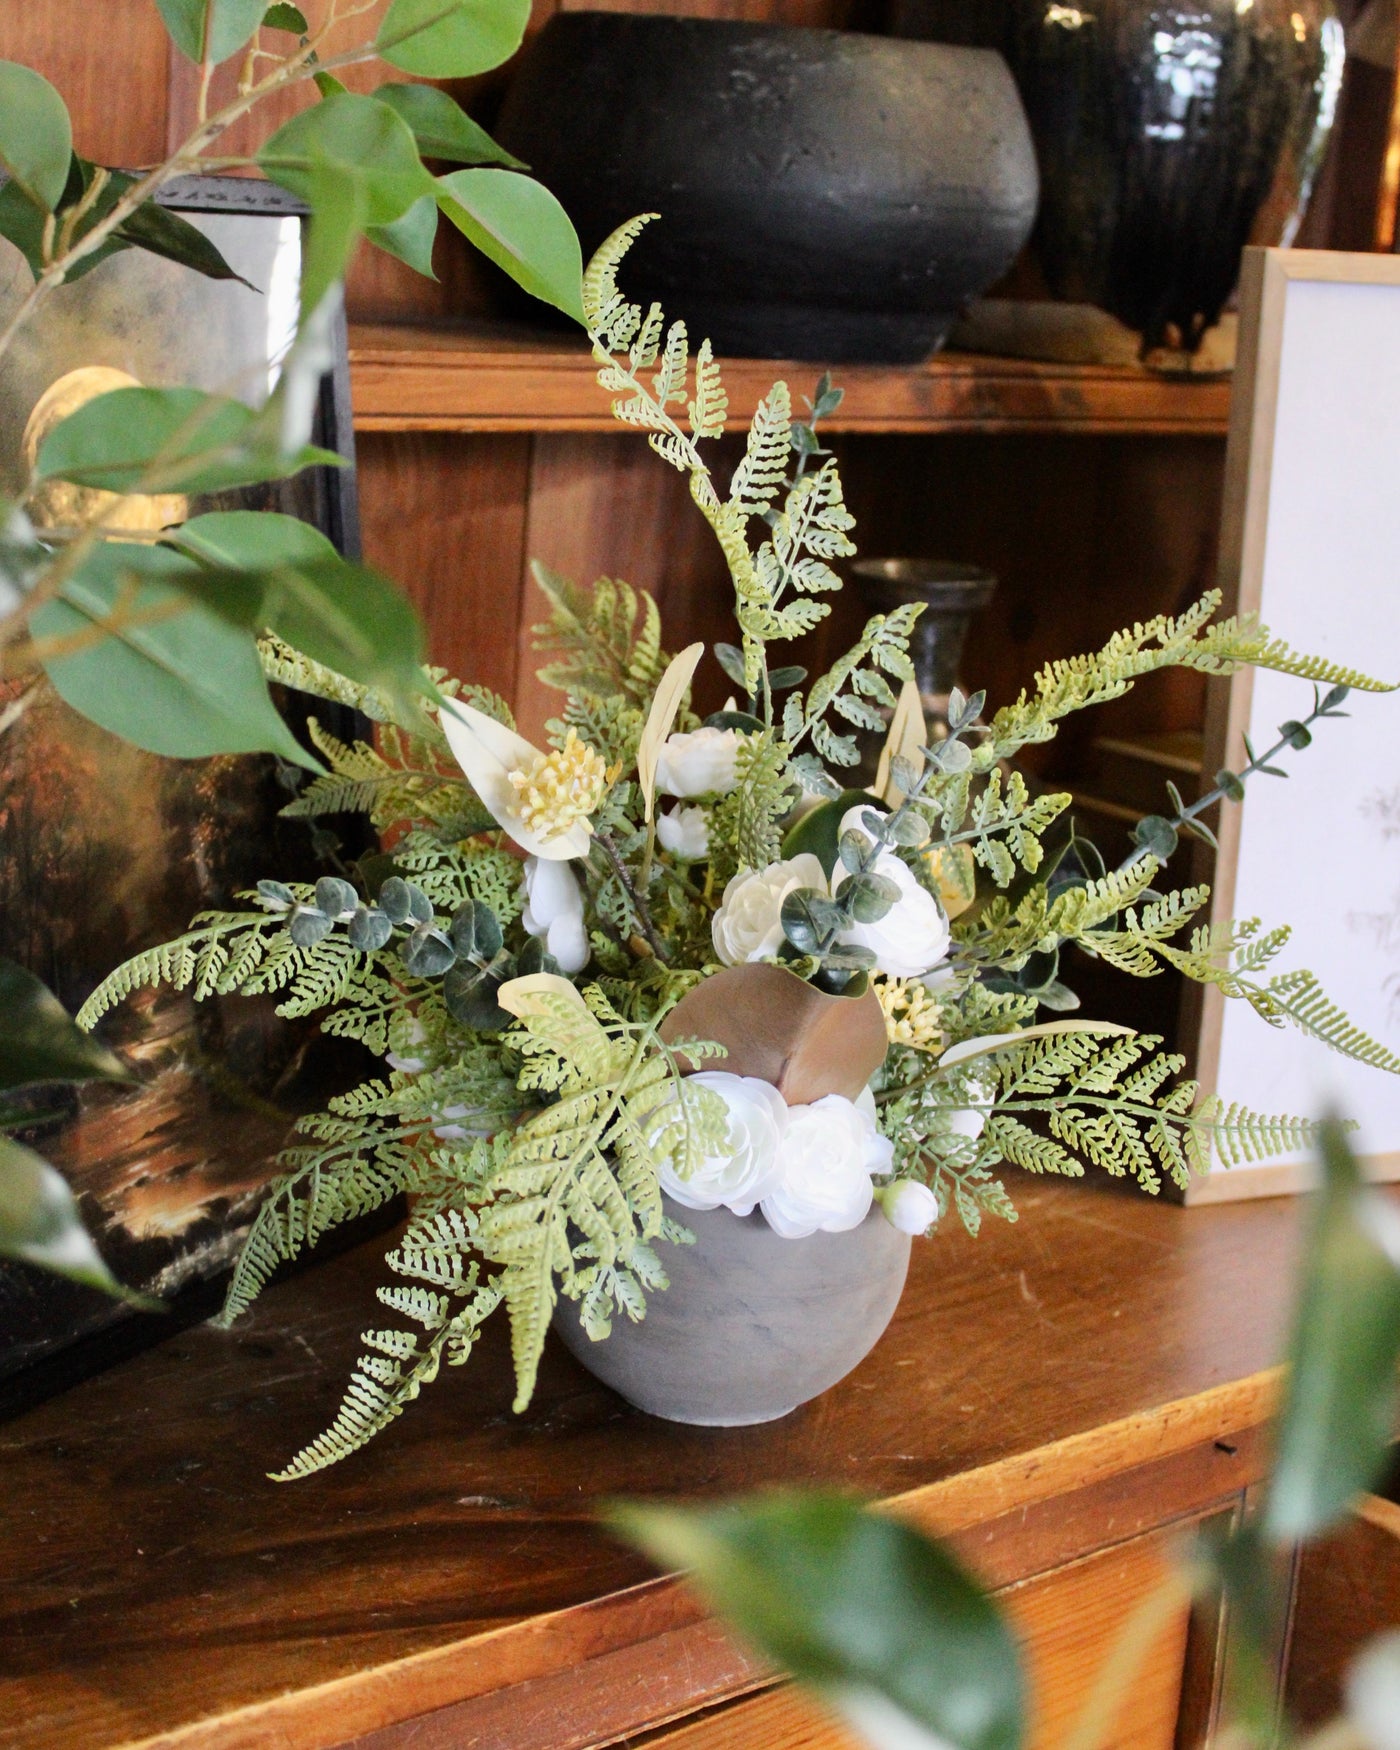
[(1335, 1426), (185, 683), (289, 18), (355, 164), (211, 30), (412, 237), (442, 128), (40, 1224), (170, 440), (39, 1040), (451, 39), (881, 1622), (519, 225), (279, 573), (36, 136)]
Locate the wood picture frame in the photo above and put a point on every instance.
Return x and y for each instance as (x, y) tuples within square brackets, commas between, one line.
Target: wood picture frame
[(1310, 541)]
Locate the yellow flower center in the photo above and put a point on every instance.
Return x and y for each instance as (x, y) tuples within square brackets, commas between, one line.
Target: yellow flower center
[(912, 1015), (561, 788)]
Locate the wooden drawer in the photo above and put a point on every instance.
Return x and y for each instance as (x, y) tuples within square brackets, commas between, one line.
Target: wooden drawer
[(1069, 1621)]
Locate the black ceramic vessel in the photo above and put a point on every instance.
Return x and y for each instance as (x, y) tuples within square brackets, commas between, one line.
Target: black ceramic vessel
[(1161, 127), (822, 194)]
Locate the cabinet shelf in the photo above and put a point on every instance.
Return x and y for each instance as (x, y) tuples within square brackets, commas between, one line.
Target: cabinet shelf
[(496, 378)]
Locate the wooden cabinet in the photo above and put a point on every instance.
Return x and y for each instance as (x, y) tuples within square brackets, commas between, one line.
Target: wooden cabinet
[(1062, 1398)]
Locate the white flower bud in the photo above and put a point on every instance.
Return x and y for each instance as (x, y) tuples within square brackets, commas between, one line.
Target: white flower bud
[(554, 910), (909, 1206), (699, 763), (685, 832)]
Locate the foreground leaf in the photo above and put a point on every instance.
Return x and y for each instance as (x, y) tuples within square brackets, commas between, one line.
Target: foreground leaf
[(211, 30), (39, 1040), (170, 440), (186, 684), (412, 237), (519, 225), (39, 1224), (1338, 1416), (882, 1622), (442, 128), (280, 574), (36, 136), (451, 39)]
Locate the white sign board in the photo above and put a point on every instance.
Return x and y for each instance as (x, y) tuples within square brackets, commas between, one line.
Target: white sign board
[(1311, 542)]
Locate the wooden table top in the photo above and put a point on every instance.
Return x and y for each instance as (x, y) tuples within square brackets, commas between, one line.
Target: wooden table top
[(152, 1578)]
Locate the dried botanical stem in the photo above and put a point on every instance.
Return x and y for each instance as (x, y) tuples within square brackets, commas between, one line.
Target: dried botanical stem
[(639, 904)]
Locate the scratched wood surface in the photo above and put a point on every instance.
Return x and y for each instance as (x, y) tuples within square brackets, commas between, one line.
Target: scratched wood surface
[(151, 1578)]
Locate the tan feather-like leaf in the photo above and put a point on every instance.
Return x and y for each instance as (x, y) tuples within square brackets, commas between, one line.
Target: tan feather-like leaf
[(665, 703), (516, 996), (906, 738)]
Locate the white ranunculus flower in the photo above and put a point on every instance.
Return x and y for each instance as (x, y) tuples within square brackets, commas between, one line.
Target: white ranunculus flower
[(828, 1153), (747, 1169), (554, 910), (685, 832), (699, 763), (913, 936), (909, 1206), (748, 924)]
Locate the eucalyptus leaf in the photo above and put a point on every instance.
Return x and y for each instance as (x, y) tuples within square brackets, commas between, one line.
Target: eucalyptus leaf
[(731, 659), (336, 897), (869, 897), (907, 827), (451, 39), (470, 995), (309, 925), (1156, 835), (40, 1224), (369, 929), (517, 223), (1338, 1414), (799, 925), (39, 1040), (818, 829), (442, 128), (211, 30), (169, 440), (185, 684), (883, 1623), (36, 136)]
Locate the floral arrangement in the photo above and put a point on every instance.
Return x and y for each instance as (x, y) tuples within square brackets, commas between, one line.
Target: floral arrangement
[(663, 958)]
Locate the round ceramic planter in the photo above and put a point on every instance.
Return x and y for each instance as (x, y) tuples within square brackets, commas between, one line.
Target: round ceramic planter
[(822, 194), (752, 1325)]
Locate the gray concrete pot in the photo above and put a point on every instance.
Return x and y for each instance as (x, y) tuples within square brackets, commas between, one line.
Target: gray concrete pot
[(752, 1325)]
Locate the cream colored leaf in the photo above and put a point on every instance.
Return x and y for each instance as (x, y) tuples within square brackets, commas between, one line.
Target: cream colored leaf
[(906, 739), (990, 1042), (517, 996), (665, 703)]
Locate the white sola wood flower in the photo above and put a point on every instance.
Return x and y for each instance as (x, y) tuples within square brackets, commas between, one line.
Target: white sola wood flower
[(913, 936), (701, 762), (747, 1169), (748, 924), (543, 800), (829, 1151)]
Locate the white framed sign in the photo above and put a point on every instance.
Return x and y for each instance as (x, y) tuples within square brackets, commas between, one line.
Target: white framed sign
[(1310, 541)]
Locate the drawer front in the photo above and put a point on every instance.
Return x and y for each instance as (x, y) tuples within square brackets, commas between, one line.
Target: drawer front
[(1069, 1622)]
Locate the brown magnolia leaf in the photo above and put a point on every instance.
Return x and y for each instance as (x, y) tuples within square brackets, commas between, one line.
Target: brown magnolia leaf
[(781, 1029)]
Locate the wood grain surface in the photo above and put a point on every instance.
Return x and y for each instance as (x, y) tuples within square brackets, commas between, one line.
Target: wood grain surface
[(151, 1578), (487, 377)]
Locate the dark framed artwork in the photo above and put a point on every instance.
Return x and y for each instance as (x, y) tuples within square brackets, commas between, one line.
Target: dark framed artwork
[(106, 850)]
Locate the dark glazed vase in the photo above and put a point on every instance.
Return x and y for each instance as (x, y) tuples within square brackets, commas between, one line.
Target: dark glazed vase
[(1161, 127), (822, 194)]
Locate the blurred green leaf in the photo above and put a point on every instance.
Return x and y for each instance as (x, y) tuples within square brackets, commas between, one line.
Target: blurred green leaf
[(280, 573), (36, 136), (210, 29), (39, 1223), (442, 128), (169, 440), (356, 165), (451, 39), (1338, 1414), (412, 237), (882, 1622), (186, 685), (39, 1040), (519, 225), (289, 18)]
